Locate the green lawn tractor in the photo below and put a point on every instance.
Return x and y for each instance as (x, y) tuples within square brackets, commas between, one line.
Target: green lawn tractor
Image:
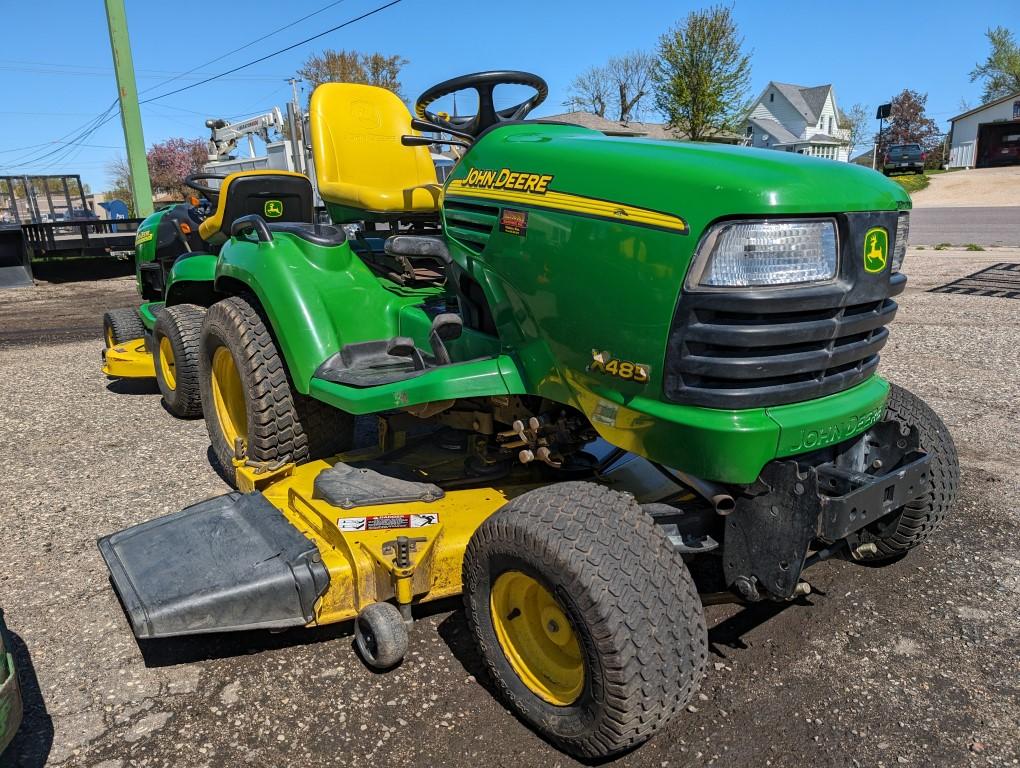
[(614, 380), (175, 260)]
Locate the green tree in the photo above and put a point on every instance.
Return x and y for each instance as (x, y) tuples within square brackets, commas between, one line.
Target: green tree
[(353, 67), (702, 74), (1001, 70)]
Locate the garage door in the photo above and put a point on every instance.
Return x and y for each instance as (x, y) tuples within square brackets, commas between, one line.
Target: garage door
[(998, 144)]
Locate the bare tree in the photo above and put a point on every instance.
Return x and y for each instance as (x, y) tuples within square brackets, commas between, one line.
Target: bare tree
[(632, 76), (855, 127), (591, 91)]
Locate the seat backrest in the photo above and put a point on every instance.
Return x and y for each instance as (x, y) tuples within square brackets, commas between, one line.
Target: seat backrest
[(362, 169), (273, 195)]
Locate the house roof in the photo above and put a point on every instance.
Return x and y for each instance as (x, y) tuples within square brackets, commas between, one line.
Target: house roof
[(992, 103), (808, 100), (633, 128), (774, 129), (824, 138), (597, 123)]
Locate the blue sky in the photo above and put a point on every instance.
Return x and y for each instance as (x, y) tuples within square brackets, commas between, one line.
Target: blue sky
[(57, 73)]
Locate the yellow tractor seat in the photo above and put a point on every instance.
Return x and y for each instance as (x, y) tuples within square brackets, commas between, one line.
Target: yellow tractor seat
[(362, 169), (273, 195)]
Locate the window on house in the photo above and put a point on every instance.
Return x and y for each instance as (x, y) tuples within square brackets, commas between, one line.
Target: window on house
[(830, 126), (750, 130), (772, 97)]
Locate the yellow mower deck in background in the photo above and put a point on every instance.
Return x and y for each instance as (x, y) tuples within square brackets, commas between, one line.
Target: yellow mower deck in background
[(129, 360)]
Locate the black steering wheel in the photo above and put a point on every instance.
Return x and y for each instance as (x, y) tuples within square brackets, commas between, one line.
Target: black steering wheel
[(212, 194), (483, 83)]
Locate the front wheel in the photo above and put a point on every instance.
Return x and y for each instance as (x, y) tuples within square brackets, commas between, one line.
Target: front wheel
[(175, 341), (247, 398), (587, 619), (906, 528), (122, 325)]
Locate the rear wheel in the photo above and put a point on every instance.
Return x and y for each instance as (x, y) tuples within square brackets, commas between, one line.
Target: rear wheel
[(247, 398), (906, 528), (176, 336), (587, 619), (121, 325)]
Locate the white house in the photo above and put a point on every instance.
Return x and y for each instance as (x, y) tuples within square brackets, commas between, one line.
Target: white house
[(986, 136), (795, 118)]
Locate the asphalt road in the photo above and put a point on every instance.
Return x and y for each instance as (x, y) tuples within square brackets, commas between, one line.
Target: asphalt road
[(916, 663), (962, 226)]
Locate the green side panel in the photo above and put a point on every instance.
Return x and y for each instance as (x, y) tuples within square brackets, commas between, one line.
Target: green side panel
[(197, 268), (318, 299), (478, 378), (733, 446), (146, 238), (148, 313)]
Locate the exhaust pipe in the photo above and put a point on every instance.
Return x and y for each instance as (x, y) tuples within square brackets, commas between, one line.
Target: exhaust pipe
[(714, 494)]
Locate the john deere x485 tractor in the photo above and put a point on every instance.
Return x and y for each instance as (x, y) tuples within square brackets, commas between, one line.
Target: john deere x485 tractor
[(598, 366)]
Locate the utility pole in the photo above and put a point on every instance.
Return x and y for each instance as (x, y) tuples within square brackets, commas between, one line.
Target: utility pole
[(295, 127), (130, 114)]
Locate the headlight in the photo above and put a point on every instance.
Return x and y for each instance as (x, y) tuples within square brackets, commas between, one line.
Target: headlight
[(902, 235), (765, 252)]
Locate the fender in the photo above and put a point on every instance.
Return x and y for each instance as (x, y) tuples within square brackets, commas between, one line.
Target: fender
[(316, 298), (191, 280)]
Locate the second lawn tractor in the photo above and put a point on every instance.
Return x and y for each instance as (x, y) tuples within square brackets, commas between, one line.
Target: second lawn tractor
[(175, 268), (613, 380)]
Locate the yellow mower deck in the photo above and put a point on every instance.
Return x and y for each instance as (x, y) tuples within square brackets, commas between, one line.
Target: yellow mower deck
[(130, 360), (407, 553)]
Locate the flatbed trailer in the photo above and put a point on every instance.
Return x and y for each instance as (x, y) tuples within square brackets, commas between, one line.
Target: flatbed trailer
[(47, 217)]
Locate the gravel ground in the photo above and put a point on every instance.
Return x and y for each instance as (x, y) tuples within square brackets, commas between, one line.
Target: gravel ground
[(917, 663)]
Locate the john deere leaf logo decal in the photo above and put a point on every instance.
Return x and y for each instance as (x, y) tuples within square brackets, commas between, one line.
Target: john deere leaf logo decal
[(876, 250), (273, 209)]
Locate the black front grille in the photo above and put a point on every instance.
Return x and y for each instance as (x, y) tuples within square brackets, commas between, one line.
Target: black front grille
[(763, 347)]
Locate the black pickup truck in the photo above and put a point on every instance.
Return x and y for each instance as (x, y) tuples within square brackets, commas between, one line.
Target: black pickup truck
[(903, 158)]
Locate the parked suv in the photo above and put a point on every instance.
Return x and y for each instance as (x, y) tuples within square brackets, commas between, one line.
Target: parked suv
[(901, 158)]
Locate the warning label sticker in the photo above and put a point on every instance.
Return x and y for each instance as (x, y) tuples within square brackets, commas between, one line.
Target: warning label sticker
[(386, 522), (513, 222)]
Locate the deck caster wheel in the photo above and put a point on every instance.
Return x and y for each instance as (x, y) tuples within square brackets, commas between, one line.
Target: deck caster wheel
[(380, 635)]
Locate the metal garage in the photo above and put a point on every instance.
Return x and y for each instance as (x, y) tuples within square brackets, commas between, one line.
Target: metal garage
[(987, 136)]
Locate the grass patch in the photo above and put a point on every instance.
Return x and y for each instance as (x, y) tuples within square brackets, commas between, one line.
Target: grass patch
[(973, 247), (912, 183), (943, 247)]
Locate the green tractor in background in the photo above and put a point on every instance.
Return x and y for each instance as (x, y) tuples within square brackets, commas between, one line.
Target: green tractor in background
[(598, 366), (175, 268)]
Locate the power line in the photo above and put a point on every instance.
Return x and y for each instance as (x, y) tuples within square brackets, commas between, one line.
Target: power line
[(275, 53), (246, 45)]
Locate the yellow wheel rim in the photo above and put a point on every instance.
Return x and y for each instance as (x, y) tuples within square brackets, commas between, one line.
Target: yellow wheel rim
[(167, 363), (537, 638), (109, 337), (228, 397)]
